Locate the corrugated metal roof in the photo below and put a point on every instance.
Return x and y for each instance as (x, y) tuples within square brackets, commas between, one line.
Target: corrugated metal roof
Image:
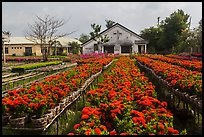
[(19, 40), (22, 40)]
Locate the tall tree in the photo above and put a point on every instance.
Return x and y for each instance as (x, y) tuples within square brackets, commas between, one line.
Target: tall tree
[(194, 39), (173, 30), (84, 37), (109, 23), (152, 34), (44, 31)]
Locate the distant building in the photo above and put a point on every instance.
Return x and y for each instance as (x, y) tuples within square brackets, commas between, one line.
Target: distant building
[(22, 46), (121, 41)]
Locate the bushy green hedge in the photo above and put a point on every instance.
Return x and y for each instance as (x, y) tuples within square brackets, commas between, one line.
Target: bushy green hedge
[(22, 68), (58, 56)]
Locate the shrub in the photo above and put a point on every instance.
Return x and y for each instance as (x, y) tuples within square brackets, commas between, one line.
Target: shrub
[(22, 68)]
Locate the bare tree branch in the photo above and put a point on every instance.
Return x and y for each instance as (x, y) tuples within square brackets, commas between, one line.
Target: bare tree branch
[(44, 31)]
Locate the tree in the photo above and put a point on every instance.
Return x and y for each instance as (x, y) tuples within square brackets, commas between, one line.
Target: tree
[(174, 30), (199, 36), (96, 36), (84, 37), (44, 31), (152, 34), (75, 47), (194, 40), (109, 23)]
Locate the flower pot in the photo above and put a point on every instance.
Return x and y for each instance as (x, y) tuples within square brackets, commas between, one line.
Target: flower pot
[(17, 122), (39, 122)]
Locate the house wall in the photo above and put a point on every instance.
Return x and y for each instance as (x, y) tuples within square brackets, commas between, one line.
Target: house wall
[(36, 49), (113, 37), (125, 34), (19, 49), (89, 47)]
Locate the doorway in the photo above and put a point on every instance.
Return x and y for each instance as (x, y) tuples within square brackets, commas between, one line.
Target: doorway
[(109, 49), (126, 49)]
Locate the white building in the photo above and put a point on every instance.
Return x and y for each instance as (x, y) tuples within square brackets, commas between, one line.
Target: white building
[(121, 41)]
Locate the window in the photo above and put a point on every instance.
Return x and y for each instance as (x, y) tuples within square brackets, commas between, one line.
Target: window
[(20, 47), (28, 51), (14, 47), (17, 47), (6, 50), (11, 47)]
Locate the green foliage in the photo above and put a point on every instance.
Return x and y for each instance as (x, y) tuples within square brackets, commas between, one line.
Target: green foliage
[(52, 56), (84, 37), (22, 68), (109, 23), (152, 34), (170, 35), (96, 30), (100, 39), (75, 47), (174, 29), (195, 38)]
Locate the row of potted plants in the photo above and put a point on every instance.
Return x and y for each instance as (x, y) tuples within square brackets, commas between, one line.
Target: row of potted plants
[(103, 61), (188, 64), (43, 96), (22, 68), (180, 78), (183, 57), (124, 103), (31, 58)]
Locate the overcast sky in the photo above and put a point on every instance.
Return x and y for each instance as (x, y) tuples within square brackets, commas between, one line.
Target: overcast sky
[(133, 15)]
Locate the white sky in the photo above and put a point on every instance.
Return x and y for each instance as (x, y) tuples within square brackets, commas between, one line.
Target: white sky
[(133, 15)]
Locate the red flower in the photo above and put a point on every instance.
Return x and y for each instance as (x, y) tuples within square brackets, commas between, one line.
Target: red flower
[(88, 132), (76, 126), (103, 127), (171, 130), (161, 126), (113, 115), (84, 116), (86, 110), (70, 133), (91, 124), (113, 132), (97, 131), (164, 104)]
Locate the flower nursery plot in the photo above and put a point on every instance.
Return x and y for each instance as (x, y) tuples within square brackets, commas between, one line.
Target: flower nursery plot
[(120, 98), (191, 65), (124, 103), (40, 98), (185, 80)]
